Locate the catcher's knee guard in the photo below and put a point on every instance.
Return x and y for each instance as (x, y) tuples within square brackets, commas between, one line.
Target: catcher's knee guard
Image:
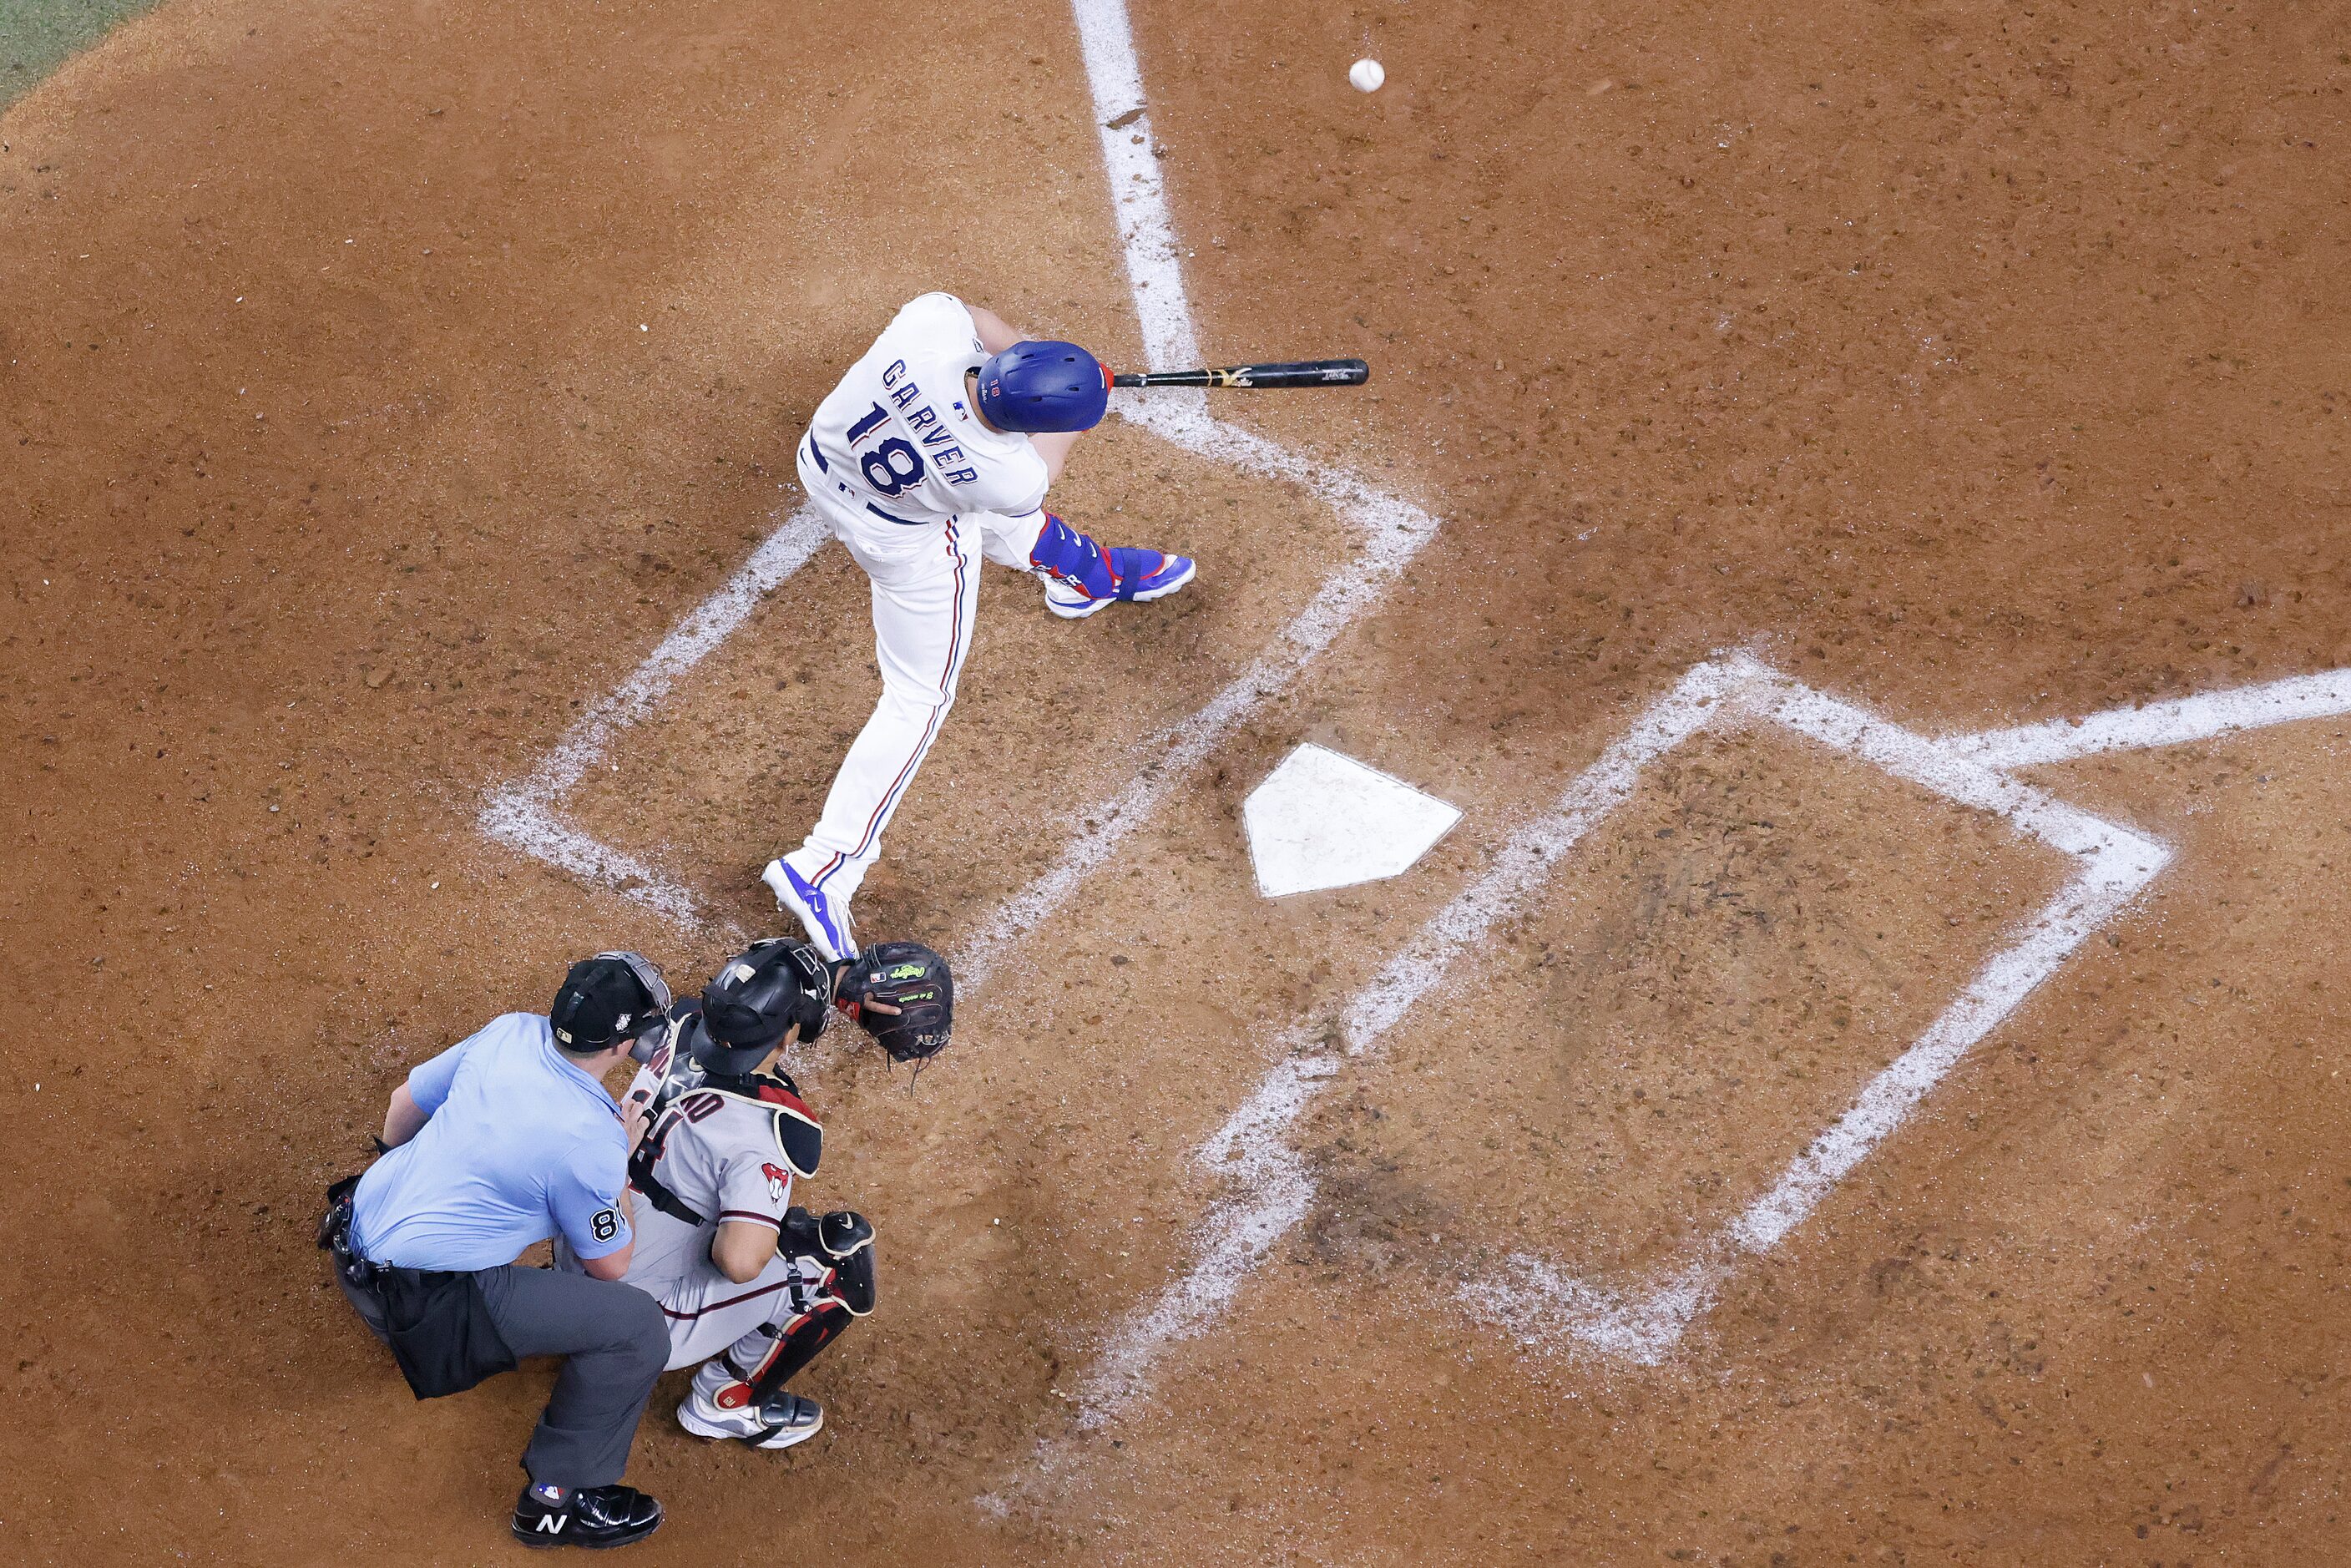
[(836, 1287), (847, 1242)]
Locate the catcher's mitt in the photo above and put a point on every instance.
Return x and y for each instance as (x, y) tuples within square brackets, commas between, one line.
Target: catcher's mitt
[(913, 980)]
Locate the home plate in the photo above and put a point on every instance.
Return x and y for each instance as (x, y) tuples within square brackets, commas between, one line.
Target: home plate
[(1321, 820)]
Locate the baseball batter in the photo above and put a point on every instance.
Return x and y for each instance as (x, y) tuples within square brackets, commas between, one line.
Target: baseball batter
[(936, 448), (750, 1285)]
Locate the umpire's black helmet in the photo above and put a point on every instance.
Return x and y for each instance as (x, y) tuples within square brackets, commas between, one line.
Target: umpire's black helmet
[(609, 998), (755, 998)]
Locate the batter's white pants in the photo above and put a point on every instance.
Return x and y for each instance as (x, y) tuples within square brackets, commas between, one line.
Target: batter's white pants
[(926, 585)]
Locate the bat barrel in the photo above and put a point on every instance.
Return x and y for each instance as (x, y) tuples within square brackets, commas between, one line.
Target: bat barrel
[(1277, 374), (1306, 373)]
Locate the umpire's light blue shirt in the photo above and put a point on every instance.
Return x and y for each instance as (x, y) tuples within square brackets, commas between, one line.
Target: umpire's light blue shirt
[(520, 1144)]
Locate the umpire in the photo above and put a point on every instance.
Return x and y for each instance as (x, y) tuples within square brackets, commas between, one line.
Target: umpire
[(503, 1140)]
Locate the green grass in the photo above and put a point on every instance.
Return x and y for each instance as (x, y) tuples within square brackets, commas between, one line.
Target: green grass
[(36, 37)]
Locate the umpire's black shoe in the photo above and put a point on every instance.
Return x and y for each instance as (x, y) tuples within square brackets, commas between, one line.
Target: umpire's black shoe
[(592, 1517)]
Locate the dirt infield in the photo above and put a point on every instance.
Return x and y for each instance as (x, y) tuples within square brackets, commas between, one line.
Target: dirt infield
[(384, 380)]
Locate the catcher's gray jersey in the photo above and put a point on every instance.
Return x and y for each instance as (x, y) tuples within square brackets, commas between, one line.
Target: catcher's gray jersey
[(716, 1155)]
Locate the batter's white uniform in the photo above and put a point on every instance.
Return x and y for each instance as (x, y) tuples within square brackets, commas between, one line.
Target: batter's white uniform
[(919, 488)]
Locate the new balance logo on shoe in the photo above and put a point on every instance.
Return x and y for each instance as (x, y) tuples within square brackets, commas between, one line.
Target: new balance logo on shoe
[(588, 1516)]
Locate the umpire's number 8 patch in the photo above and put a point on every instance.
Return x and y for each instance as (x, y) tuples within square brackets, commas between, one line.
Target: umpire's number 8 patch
[(606, 1225)]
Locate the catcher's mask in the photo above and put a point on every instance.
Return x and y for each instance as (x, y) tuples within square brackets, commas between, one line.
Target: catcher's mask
[(607, 998), (755, 996)]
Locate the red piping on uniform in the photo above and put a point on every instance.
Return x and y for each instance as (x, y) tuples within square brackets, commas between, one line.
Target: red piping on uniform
[(922, 748), (730, 1301)]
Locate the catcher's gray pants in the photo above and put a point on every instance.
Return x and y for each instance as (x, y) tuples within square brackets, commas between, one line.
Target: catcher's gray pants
[(707, 1311), (614, 1340)]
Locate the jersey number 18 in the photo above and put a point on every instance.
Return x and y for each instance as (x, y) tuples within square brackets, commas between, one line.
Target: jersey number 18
[(891, 466)]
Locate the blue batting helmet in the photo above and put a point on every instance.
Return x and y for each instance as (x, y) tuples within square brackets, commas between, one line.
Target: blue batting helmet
[(1042, 386)]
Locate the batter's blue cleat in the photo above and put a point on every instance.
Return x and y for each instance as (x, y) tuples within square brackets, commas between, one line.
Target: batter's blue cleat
[(1081, 577), (826, 925)]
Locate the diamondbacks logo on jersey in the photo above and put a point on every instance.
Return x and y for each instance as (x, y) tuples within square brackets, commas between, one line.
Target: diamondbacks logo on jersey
[(777, 1182)]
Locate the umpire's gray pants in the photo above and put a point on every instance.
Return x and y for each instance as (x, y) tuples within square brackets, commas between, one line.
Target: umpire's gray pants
[(614, 1340)]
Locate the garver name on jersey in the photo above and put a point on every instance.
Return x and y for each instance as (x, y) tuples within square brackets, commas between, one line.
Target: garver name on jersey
[(923, 421)]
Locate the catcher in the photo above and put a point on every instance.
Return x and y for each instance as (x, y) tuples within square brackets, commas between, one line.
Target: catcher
[(750, 1285)]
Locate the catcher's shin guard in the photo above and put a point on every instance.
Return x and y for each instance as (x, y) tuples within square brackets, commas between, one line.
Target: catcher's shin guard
[(795, 1344), (836, 1258)]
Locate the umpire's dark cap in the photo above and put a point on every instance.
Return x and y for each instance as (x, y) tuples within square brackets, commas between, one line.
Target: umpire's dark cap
[(603, 999)]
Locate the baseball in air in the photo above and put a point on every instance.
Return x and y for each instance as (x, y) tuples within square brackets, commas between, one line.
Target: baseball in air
[(1366, 75)]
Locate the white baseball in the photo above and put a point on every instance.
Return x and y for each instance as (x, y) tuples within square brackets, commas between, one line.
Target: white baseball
[(1366, 75)]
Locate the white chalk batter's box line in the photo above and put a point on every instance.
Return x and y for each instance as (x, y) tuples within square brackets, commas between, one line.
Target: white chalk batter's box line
[(2113, 864), (1269, 1188), (527, 813)]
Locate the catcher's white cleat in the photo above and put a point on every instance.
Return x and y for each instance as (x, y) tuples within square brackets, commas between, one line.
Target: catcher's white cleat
[(720, 1407)]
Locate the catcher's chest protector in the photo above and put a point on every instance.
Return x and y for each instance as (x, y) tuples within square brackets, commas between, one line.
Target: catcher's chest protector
[(681, 1165)]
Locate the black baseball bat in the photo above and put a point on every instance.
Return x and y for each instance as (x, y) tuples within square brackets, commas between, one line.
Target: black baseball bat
[(1290, 373)]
